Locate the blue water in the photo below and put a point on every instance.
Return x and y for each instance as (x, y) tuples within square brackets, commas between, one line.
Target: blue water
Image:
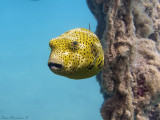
[(28, 89)]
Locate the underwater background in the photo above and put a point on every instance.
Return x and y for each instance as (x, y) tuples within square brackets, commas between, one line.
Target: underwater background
[(28, 89)]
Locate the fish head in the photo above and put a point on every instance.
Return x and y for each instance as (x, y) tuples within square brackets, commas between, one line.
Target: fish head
[(76, 54)]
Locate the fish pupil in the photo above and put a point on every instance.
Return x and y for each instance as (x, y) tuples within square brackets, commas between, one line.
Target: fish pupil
[(75, 43)]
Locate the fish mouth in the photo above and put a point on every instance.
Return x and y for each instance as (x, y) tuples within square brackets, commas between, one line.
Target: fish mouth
[(54, 66)]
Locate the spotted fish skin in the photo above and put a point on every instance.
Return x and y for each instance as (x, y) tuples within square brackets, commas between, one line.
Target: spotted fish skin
[(76, 54)]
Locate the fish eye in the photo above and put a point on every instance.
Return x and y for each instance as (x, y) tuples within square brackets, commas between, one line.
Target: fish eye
[(75, 43)]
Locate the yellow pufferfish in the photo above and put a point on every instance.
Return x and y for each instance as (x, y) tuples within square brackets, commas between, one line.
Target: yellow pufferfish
[(76, 54)]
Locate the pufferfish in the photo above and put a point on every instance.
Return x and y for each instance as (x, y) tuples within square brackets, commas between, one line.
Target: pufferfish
[(76, 54)]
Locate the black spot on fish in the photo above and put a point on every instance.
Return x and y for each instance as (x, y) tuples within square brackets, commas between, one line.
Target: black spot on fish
[(90, 67), (100, 67), (99, 64), (99, 60)]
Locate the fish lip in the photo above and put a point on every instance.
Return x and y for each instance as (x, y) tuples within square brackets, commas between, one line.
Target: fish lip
[(55, 66)]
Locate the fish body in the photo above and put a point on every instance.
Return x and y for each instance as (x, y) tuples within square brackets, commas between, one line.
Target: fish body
[(76, 54)]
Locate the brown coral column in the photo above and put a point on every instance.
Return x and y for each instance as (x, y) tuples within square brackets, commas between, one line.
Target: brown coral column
[(130, 80)]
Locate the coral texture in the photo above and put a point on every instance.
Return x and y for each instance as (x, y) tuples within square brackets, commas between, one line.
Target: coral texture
[(130, 80)]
